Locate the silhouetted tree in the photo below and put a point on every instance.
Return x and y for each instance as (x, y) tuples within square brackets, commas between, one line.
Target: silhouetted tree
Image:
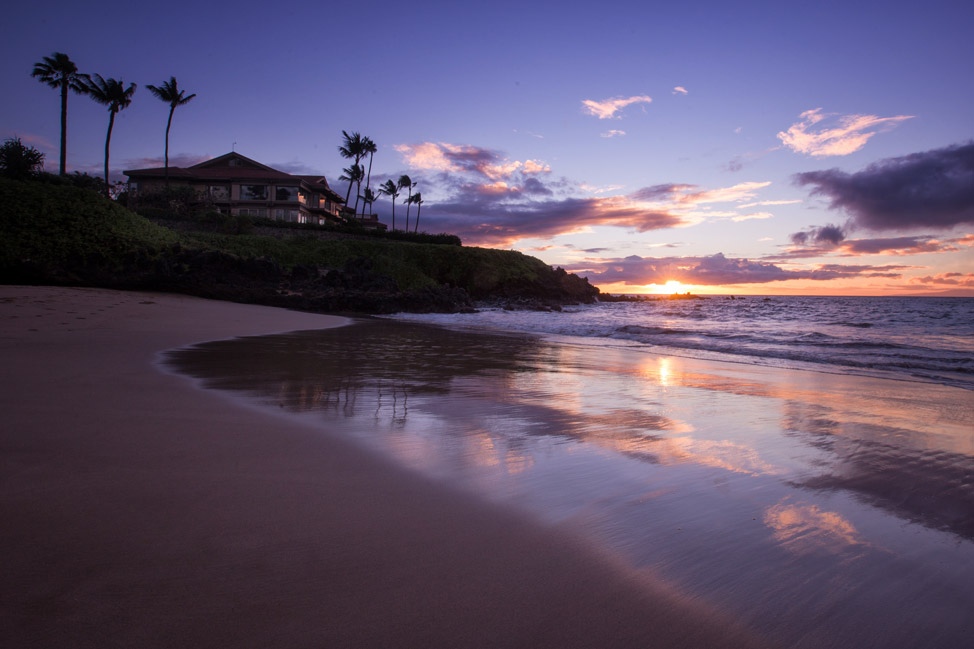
[(406, 183), (391, 189), (353, 175), (351, 148), (368, 146), (418, 199), (60, 72), (169, 92), (18, 160), (114, 94), (368, 198)]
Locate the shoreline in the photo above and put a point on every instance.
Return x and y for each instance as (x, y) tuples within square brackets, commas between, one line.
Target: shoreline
[(140, 510)]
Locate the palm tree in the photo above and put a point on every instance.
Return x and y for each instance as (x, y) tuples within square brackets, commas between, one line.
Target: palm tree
[(60, 72), (368, 146), (114, 94), (352, 147), (391, 189), (405, 182), (170, 92), (353, 175), (418, 199), (368, 198)]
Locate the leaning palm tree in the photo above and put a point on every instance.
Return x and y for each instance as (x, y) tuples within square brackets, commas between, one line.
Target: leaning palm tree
[(351, 148), (391, 189), (352, 175), (405, 182), (418, 199), (60, 72), (368, 198), (114, 94), (169, 92)]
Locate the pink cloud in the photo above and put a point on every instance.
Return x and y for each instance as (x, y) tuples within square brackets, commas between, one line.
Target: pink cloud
[(607, 108), (846, 134)]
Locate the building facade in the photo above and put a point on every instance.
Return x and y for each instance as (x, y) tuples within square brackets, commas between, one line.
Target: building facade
[(235, 184)]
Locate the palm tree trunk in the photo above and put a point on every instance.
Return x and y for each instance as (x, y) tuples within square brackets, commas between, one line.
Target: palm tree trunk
[(393, 213), (108, 141), (168, 124), (368, 177), (416, 227), (64, 126)]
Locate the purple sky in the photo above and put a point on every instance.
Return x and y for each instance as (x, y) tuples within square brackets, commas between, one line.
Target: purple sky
[(760, 147)]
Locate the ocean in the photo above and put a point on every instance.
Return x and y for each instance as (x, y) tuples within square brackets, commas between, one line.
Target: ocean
[(908, 338)]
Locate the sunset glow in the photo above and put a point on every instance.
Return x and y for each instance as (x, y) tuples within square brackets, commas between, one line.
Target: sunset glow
[(802, 163)]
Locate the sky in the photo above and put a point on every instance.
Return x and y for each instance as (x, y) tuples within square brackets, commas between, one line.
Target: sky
[(713, 147)]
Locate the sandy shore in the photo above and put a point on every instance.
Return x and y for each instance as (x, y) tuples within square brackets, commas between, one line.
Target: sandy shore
[(141, 511)]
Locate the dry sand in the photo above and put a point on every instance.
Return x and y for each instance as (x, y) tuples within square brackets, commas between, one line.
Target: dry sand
[(140, 511)]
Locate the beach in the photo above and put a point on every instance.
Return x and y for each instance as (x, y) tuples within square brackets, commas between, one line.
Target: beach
[(141, 510)]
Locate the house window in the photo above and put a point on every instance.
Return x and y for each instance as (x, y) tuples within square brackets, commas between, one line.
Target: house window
[(286, 194), (219, 192), (253, 192), (252, 211), (302, 197)]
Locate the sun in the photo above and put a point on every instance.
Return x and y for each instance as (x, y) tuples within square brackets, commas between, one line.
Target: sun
[(671, 287)]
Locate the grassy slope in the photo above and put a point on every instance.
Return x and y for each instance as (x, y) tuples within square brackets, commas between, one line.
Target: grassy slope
[(66, 227)]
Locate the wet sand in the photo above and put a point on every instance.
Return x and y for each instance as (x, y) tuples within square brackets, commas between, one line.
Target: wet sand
[(822, 510), (139, 510)]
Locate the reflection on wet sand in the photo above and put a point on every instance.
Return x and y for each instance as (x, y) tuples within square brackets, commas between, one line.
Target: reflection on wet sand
[(807, 528), (822, 510)]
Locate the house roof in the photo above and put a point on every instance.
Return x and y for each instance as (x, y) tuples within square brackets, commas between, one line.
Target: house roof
[(220, 170)]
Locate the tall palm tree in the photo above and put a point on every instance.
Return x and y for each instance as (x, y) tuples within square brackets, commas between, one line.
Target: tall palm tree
[(418, 199), (169, 92), (59, 71), (114, 94), (351, 148), (405, 182), (353, 175), (391, 189), (368, 146)]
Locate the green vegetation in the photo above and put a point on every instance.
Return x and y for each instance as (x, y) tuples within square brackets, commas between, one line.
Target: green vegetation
[(60, 225), (55, 232)]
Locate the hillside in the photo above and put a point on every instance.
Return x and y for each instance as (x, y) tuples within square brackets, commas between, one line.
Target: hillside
[(57, 234)]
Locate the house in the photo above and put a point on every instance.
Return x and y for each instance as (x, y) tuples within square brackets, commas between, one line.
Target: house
[(235, 184)]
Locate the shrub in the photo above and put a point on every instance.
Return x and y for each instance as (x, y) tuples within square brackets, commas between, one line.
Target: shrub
[(19, 161)]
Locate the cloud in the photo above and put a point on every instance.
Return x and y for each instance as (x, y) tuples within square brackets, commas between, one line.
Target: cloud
[(849, 134), (488, 199), (679, 90), (830, 240), (947, 279), (607, 108), (829, 234), (739, 161), (752, 216), (442, 156), (613, 133), (717, 270), (928, 189), (768, 203)]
